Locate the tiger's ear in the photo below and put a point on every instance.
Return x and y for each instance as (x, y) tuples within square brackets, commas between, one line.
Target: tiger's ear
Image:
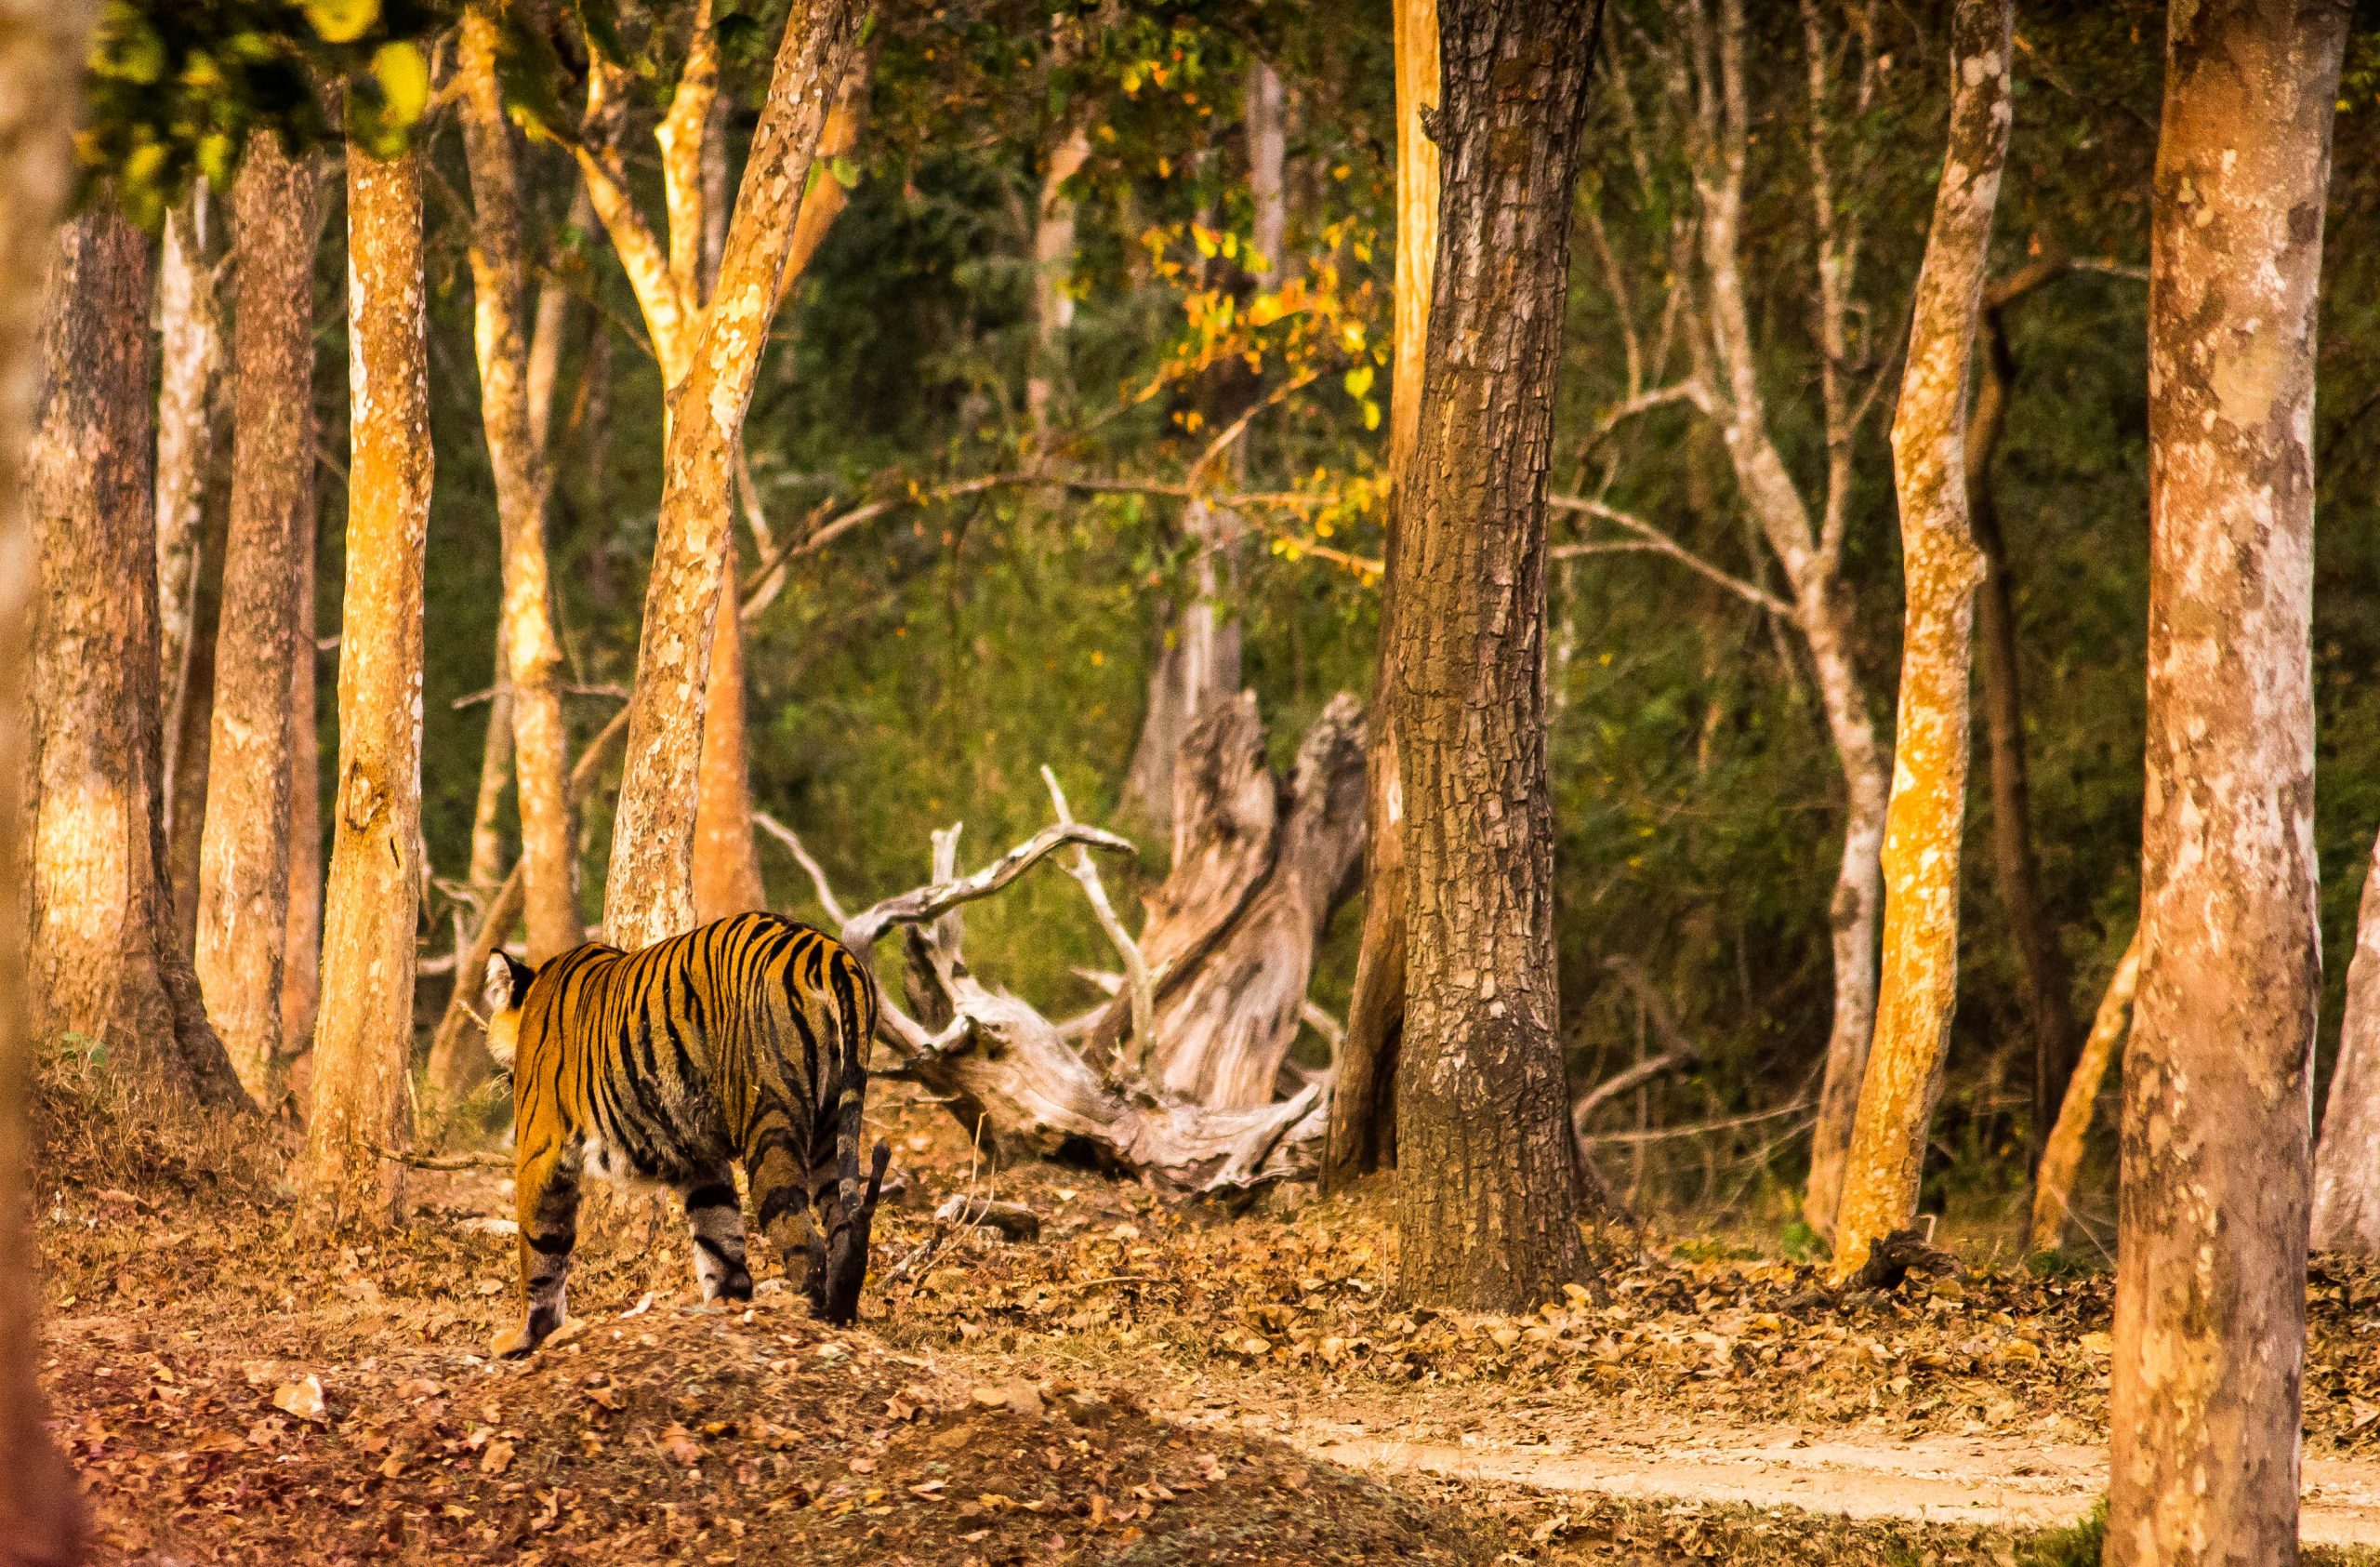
[(508, 983)]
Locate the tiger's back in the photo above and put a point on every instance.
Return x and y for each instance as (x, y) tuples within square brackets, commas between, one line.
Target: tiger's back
[(744, 1041)]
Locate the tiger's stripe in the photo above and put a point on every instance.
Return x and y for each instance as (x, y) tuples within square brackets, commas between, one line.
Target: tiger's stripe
[(743, 1042)]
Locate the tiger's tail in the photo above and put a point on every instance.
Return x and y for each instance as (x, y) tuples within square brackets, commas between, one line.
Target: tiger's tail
[(838, 1262)]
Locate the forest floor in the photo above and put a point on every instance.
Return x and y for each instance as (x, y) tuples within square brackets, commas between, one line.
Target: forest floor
[(1145, 1383)]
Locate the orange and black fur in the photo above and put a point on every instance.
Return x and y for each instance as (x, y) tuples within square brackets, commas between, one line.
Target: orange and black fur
[(745, 1040)]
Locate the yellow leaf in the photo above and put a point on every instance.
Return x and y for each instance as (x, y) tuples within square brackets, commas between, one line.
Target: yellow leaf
[(404, 81), (342, 22)]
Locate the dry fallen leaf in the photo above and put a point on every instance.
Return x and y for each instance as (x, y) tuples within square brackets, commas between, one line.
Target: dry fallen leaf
[(495, 1457), (303, 1399), (680, 1443)]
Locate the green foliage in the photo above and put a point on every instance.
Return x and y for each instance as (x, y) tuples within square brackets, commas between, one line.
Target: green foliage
[(177, 86), (2077, 1545)]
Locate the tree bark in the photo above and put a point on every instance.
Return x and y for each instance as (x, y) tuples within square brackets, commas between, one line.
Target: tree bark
[(1927, 816), (1053, 256), (2049, 1006), (1363, 1103), (365, 1031), (2062, 1150), (2346, 1161), (533, 654), (41, 52), (1486, 1193), (495, 771), (106, 964), (1196, 665), (301, 968), (190, 332), (727, 859), (2210, 1319), (1268, 141), (244, 859), (650, 891)]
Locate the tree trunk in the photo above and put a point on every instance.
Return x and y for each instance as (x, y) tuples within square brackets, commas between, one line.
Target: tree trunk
[(1268, 143), (373, 904), (2346, 1161), (1363, 1104), (1927, 816), (495, 771), (2062, 1150), (1053, 256), (1486, 1193), (244, 860), (727, 860), (1260, 865), (186, 782), (532, 653), (41, 52), (650, 891), (190, 332), (1196, 664), (106, 964), (301, 968), (2049, 1006), (2210, 1319)]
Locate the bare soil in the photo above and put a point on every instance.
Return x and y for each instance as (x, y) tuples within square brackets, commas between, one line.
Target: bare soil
[(1146, 1382)]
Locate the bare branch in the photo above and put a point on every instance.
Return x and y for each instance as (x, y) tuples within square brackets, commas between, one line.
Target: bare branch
[(1620, 1083), (801, 857), (1653, 540), (1136, 966), (861, 933)]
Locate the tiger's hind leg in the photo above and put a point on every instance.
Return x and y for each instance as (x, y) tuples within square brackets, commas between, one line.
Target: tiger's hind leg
[(546, 1187), (716, 1220)]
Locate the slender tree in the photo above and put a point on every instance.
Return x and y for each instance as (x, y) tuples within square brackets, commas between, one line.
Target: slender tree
[(532, 653), (2210, 1319), (365, 1031), (190, 336), (106, 965), (302, 968), (1942, 564), (2346, 1161), (650, 891), (41, 46), (2062, 1149), (244, 859), (1363, 1104), (1487, 1190)]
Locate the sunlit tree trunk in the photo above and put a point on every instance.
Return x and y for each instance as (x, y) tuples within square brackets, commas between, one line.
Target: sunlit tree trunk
[(1363, 1105), (727, 860), (1486, 1192), (190, 332), (106, 965), (41, 46), (2346, 1162), (244, 860), (1928, 812), (366, 1029), (301, 968), (650, 891), (533, 654), (2062, 1149), (2209, 1317)]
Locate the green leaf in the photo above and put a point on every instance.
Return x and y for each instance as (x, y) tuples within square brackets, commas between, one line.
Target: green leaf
[(846, 172)]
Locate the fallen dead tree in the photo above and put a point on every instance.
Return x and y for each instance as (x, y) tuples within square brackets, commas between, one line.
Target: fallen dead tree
[(1219, 971)]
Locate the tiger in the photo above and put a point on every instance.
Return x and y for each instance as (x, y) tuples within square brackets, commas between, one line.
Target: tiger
[(745, 1040)]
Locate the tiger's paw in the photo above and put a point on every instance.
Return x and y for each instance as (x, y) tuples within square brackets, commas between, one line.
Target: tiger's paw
[(515, 1342), (535, 1334)]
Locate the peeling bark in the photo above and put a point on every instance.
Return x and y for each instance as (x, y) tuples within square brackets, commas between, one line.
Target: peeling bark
[(189, 333), (244, 859), (650, 891), (1363, 1107), (532, 651), (2210, 1319), (1927, 816), (1486, 1192), (106, 964), (365, 1031), (41, 49), (2062, 1149)]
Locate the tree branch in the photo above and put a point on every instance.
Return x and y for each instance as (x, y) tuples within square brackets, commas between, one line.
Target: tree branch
[(1655, 540), (1136, 966), (923, 903), (801, 857)]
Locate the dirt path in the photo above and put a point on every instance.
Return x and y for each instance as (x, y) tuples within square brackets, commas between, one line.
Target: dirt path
[(1978, 1480)]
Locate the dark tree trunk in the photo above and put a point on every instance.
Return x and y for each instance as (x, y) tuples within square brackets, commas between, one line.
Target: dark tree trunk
[(2210, 1319), (1487, 1194), (106, 962), (2049, 986)]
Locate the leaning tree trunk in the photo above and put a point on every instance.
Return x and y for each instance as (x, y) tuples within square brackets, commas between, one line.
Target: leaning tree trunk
[(1486, 1191), (533, 654), (2346, 1162), (650, 891), (189, 333), (41, 45), (2210, 1321), (2062, 1149), (244, 858), (1928, 812), (365, 1031), (106, 962), (1363, 1104)]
